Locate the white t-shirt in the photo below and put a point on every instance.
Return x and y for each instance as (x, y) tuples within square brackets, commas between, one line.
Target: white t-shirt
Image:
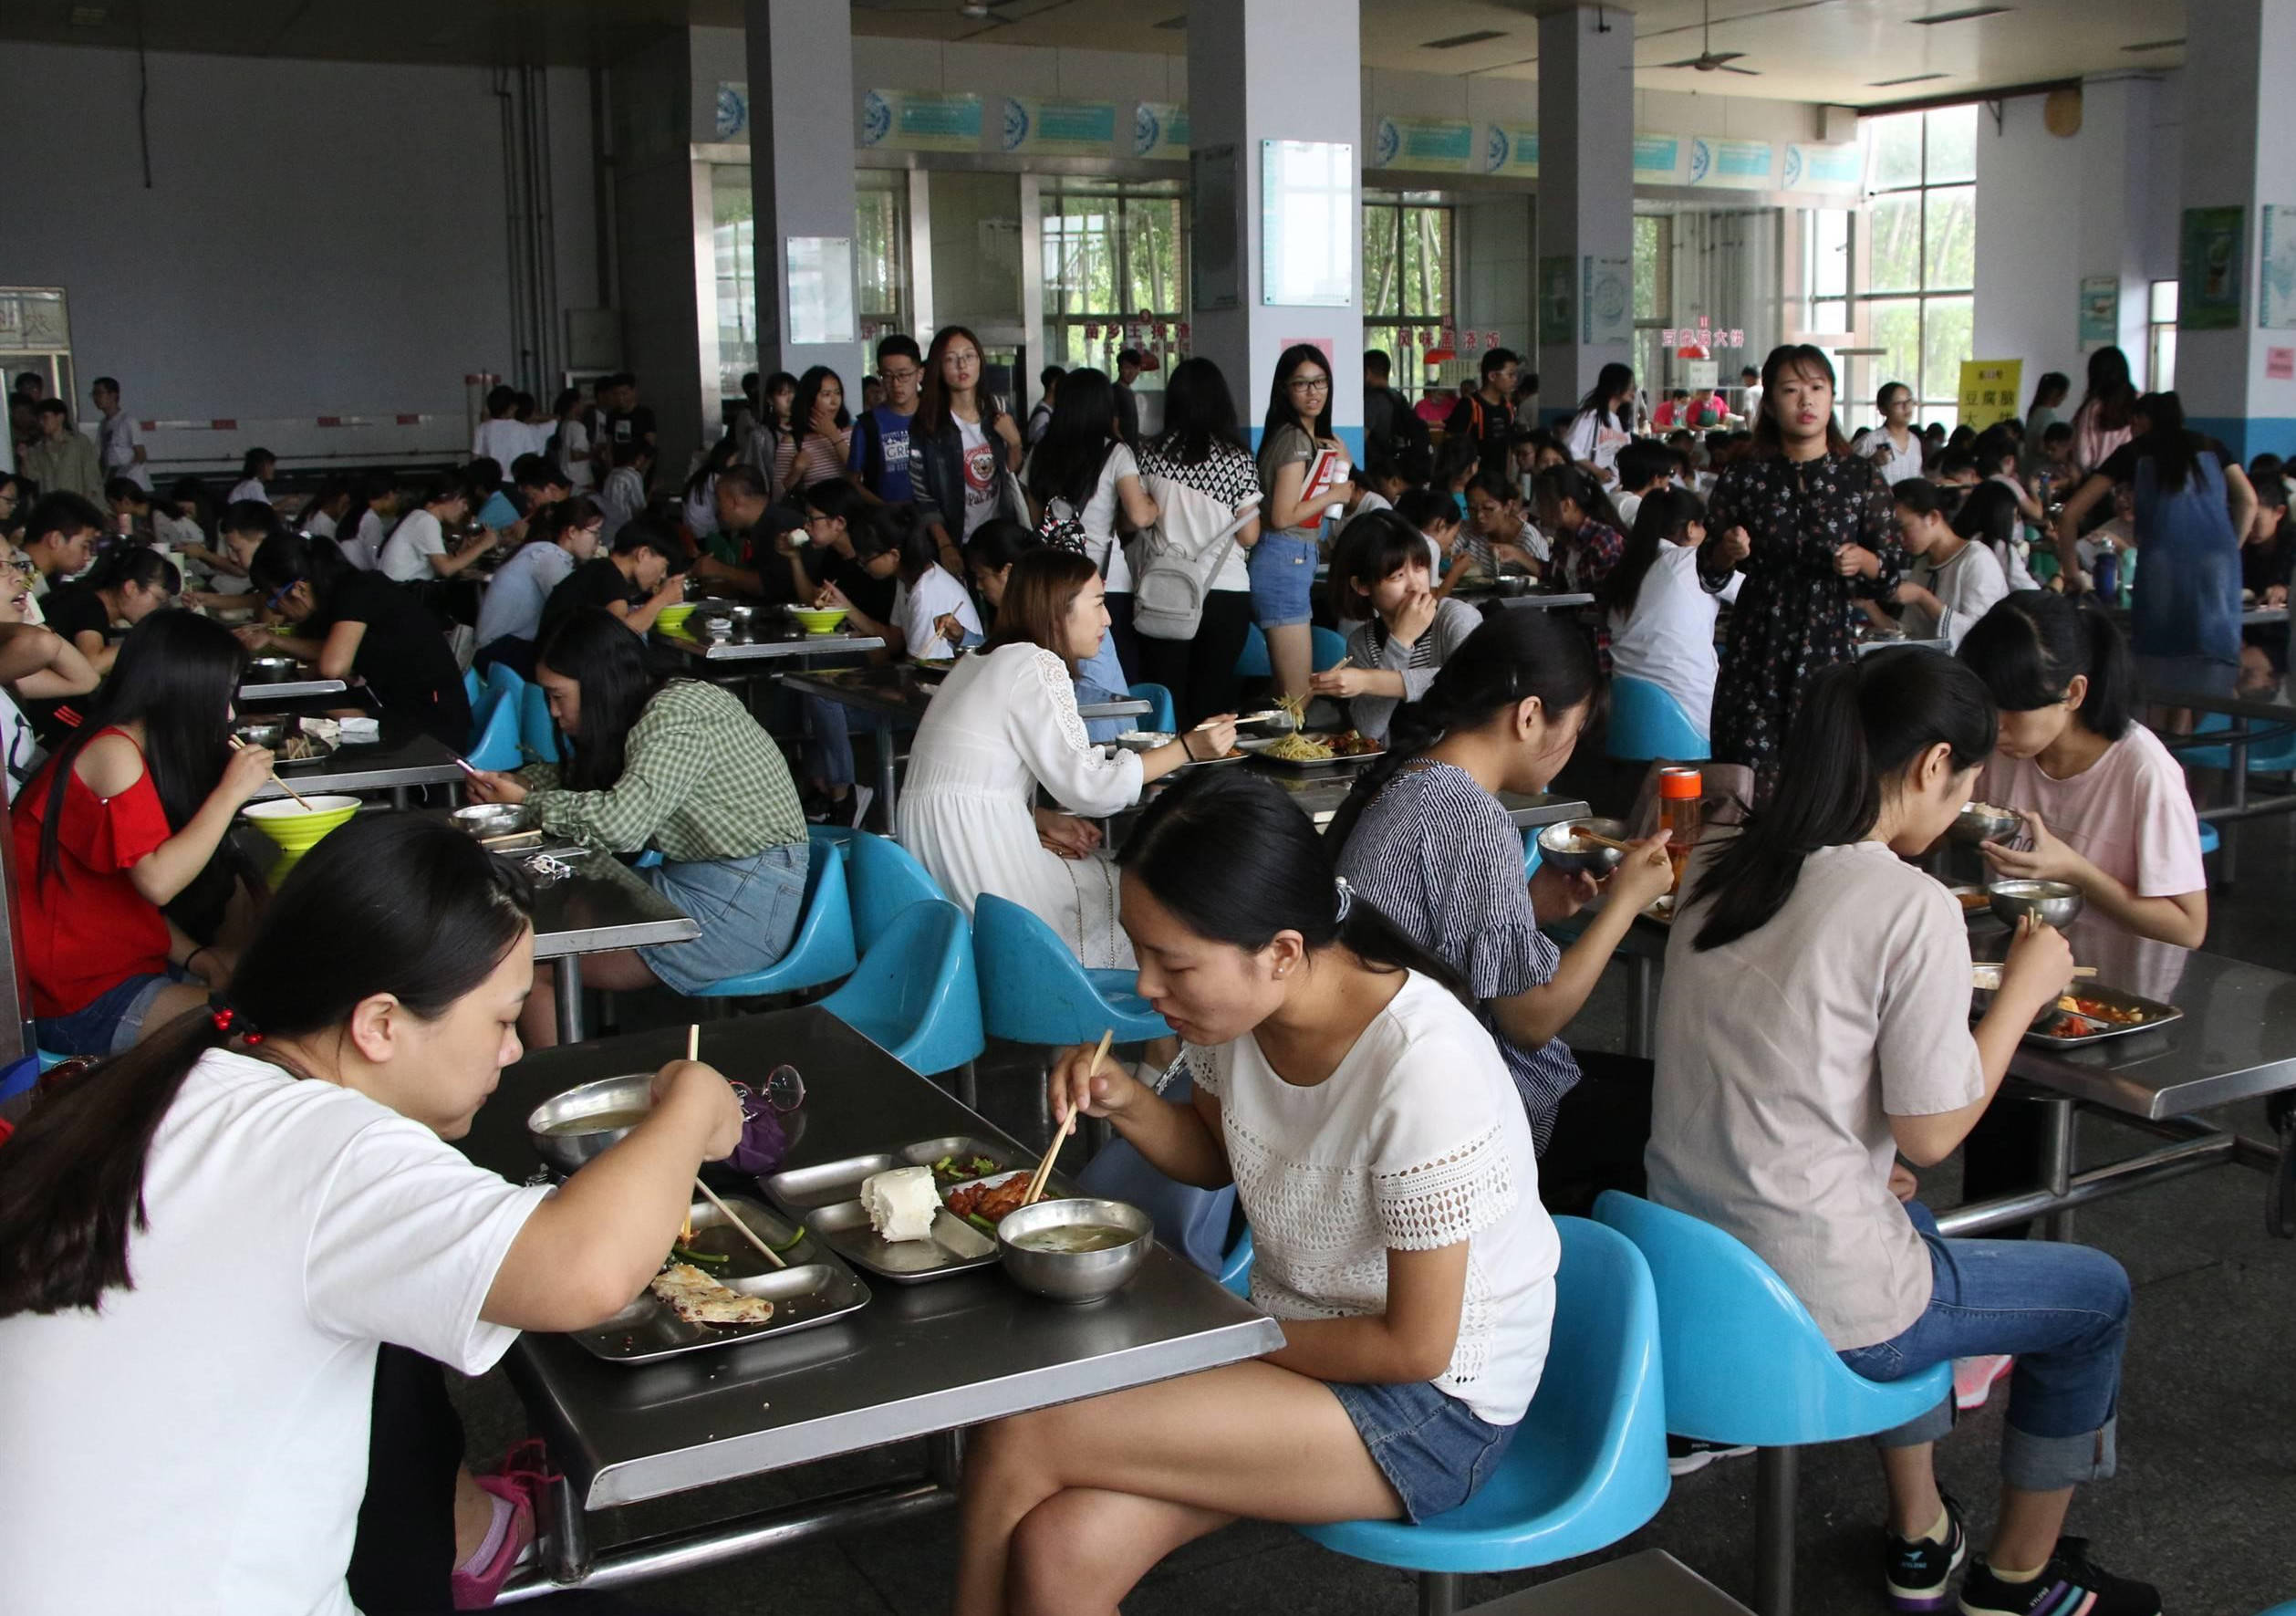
[(501, 442), (1897, 464), (417, 537), (980, 460), (1099, 520), (1628, 506), (220, 1409), (1782, 1058), (1968, 587), (117, 434), (363, 547), (1668, 639), (1417, 1142), (1594, 438), (574, 459), (937, 594), (250, 489), (21, 753)]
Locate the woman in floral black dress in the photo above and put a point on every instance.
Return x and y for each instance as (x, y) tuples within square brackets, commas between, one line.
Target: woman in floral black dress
[(1809, 525)]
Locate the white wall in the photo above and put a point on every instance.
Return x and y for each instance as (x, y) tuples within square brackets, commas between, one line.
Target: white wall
[(320, 238)]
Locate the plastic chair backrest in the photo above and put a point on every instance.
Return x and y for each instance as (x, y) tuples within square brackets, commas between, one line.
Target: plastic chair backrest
[(1033, 991), (537, 734), (1191, 1221), (472, 687), (495, 739), (1646, 722), (1235, 1271), (1745, 1363), (1251, 661), (2272, 756), (886, 879), (1163, 716), (916, 992), (502, 676), (1328, 648), (1603, 1386)]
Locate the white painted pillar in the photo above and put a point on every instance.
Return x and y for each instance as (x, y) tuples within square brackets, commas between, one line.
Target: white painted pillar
[(1587, 199), (2115, 198), (801, 170)]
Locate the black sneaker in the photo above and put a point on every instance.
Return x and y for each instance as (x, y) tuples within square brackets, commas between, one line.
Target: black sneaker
[(1915, 1572), (1687, 1455), (2068, 1583)]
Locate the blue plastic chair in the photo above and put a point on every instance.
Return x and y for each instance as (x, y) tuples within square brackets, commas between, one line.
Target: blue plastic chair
[(472, 687), (1251, 661), (1033, 991), (1162, 714), (537, 734), (502, 677), (1588, 1465), (884, 879), (1646, 723), (1235, 1273), (2287, 1609), (916, 993), (823, 949), (1747, 1365), (2273, 756), (2210, 839), (1328, 649), (495, 737), (1191, 1221)]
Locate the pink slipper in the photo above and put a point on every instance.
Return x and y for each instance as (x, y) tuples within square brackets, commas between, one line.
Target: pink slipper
[(521, 1482)]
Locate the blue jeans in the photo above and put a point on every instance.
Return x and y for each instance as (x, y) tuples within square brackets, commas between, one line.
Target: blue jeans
[(1283, 573), (109, 1023), (2061, 1309), (748, 909)]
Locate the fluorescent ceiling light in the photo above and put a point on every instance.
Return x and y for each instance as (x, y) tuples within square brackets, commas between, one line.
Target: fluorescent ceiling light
[(1175, 23), (1456, 41), (2155, 45), (1966, 14), (1911, 78)]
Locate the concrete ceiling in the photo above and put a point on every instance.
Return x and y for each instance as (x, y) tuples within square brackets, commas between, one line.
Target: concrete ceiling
[(1851, 52)]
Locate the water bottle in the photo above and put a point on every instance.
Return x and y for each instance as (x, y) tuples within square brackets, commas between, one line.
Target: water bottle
[(2106, 574)]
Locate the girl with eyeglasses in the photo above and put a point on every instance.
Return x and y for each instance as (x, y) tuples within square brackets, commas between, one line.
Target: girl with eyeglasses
[(1283, 565)]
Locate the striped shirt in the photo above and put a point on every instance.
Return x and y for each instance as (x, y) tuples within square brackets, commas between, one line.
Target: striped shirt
[(699, 781), (1440, 857)]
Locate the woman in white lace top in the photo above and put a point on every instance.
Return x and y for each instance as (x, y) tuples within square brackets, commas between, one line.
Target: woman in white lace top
[(1383, 1160)]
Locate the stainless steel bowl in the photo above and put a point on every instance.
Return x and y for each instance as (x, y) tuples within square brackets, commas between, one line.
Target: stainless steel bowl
[(1979, 821), (272, 670), (554, 1125), (1145, 740), (1075, 1276), (267, 733), (1555, 849), (493, 818), (1511, 585), (2057, 902)]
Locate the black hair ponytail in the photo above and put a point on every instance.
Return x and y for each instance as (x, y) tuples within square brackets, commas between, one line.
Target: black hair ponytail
[(1860, 724), (2033, 644), (1513, 656), (1235, 860)]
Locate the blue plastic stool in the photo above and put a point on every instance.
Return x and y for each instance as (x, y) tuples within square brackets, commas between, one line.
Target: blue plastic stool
[(2210, 839), (495, 737), (1162, 714), (1033, 991), (2272, 756), (1251, 661), (1588, 1465), (2287, 1609), (1646, 723), (1191, 1221), (1746, 1365), (537, 732), (885, 879), (823, 949), (916, 993), (1328, 649)]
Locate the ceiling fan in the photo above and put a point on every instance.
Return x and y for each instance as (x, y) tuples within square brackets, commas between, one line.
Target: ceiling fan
[(1710, 60)]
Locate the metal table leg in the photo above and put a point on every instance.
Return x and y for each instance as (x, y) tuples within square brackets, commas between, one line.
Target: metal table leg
[(1776, 1472), (885, 772), (2057, 1139), (566, 1548), (1642, 1006), (1439, 1593), (569, 997), (399, 798)]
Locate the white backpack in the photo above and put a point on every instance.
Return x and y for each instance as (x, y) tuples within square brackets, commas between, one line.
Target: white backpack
[(1177, 559)]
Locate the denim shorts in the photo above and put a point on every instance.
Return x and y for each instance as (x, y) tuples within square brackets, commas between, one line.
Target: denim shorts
[(112, 1021), (748, 909), (1430, 1445), (1282, 571)]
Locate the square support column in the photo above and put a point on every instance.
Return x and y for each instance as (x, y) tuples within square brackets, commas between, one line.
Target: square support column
[(1586, 200), (800, 168)]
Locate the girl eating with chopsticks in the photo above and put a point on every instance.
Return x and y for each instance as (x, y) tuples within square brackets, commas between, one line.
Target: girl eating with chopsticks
[(204, 1242), (1815, 1027), (1424, 835), (1383, 1160), (1405, 633)]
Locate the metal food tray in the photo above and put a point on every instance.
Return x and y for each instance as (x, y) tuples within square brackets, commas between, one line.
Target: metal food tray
[(323, 753), (827, 1195), (1258, 748), (1982, 908), (2156, 1015), (814, 1289)]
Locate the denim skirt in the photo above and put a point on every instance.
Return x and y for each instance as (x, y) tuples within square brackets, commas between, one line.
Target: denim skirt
[(748, 909), (1430, 1446), (1282, 572)]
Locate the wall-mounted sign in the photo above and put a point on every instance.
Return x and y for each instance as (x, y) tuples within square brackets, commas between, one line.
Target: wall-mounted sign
[(1445, 144), (1512, 149), (1732, 165), (732, 114), (1160, 130), (1558, 310), (821, 290), (1990, 390), (1836, 170), (2276, 282), (1606, 301), (2208, 298), (1658, 160), (2100, 310), (1307, 222), (919, 120), (1048, 128)]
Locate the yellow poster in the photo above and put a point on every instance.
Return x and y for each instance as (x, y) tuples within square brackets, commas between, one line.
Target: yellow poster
[(1990, 390)]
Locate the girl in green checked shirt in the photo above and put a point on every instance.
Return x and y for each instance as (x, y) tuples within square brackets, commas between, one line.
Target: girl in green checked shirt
[(679, 768)]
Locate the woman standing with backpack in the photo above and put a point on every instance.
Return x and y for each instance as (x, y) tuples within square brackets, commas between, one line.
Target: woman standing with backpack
[(1079, 478), (1200, 477)]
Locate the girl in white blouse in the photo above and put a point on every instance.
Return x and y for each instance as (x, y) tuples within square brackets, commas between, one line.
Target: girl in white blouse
[(1379, 1152), (1004, 726)]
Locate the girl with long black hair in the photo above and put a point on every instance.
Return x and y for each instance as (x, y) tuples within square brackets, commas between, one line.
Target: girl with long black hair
[(1604, 425), (204, 1241), (961, 446), (931, 614), (679, 768), (1582, 526), (1082, 472), (1957, 578), (820, 438), (1200, 476), (361, 623), (2106, 417), (1424, 835), (126, 585), (988, 557), (1297, 432), (1399, 632), (1383, 1161), (1660, 616), (1814, 1028), (129, 814)]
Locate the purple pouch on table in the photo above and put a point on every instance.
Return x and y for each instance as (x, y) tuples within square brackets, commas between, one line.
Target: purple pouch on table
[(765, 1139)]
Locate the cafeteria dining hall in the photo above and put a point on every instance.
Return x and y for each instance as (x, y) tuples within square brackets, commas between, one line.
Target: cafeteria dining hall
[(1037, 807)]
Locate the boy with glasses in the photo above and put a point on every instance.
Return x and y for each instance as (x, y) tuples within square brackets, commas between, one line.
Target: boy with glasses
[(879, 462)]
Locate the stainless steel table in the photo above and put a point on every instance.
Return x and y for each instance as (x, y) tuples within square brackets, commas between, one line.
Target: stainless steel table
[(918, 1360), (766, 640), (291, 690), (1535, 601), (1319, 791), (601, 906), (2258, 715), (395, 767), (893, 692)]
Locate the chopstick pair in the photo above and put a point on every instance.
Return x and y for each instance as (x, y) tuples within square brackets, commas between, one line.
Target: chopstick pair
[(239, 745), (1037, 1179), (1986, 974), (693, 1052)]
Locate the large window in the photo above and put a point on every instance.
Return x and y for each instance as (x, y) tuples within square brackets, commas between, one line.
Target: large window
[(1654, 304), (2160, 326), (1920, 265), (1407, 293), (1114, 255), (880, 259)]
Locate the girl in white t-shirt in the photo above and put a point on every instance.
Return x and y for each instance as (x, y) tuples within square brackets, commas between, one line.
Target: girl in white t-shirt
[(1660, 614), (203, 1243), (1958, 580), (932, 614), (1815, 1027), (1383, 1158), (1600, 429), (1081, 471)]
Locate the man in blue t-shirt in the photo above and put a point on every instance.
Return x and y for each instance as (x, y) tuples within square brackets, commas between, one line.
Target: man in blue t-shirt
[(879, 463)]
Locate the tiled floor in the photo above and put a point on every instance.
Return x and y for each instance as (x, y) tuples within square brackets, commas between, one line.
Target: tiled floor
[(2205, 1506)]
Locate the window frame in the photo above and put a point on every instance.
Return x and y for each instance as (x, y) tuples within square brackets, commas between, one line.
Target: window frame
[(1065, 326), (1388, 212), (1936, 398)]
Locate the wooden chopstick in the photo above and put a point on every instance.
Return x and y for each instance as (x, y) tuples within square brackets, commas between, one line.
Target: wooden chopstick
[(239, 745), (1044, 1173), (693, 1052), (734, 1218), (1601, 840)]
